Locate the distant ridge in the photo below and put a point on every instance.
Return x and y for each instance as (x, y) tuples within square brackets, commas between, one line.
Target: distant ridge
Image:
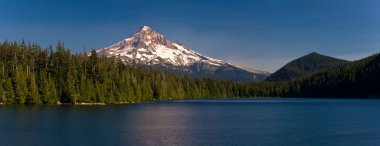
[(308, 64), (359, 79)]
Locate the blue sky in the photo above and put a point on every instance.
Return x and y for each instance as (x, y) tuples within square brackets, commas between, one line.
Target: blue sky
[(261, 34)]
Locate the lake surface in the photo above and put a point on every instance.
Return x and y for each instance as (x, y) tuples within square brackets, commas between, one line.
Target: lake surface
[(197, 122)]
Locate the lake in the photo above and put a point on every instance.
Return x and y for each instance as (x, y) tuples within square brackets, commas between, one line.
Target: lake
[(197, 122)]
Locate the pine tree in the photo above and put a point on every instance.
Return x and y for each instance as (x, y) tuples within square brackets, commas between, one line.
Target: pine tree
[(3, 98), (9, 92), (53, 92), (72, 93), (21, 86), (33, 96)]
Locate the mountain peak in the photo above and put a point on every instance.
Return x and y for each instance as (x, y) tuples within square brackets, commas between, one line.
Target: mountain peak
[(313, 53), (144, 29), (145, 33), (147, 47)]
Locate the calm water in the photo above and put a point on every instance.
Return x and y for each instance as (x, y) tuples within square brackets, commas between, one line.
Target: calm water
[(197, 122)]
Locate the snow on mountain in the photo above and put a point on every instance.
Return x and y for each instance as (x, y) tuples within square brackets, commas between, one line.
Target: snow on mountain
[(148, 47)]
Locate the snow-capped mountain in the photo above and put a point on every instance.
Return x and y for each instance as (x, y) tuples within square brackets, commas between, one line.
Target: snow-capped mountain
[(147, 47)]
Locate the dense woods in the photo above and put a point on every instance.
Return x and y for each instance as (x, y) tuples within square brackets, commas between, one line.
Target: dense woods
[(30, 74)]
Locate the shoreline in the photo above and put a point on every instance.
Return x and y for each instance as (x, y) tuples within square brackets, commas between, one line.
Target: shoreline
[(88, 103), (190, 99), (94, 103)]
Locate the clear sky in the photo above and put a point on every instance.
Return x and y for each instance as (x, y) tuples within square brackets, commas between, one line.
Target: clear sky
[(261, 34)]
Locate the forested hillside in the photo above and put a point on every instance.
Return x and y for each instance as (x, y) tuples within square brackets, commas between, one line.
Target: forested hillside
[(308, 64), (358, 79)]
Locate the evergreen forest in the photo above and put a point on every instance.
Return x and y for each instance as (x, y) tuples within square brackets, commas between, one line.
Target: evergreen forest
[(30, 74)]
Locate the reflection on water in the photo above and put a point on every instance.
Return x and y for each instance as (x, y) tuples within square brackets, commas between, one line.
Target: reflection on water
[(197, 122)]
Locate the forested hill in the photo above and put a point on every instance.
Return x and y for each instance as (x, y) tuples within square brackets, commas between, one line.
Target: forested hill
[(358, 79), (305, 65)]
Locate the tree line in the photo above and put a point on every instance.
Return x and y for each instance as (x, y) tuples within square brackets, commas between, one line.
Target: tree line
[(30, 74)]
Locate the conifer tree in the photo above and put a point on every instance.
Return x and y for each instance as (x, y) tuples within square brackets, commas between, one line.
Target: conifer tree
[(33, 96), (3, 98), (21, 86), (9, 92)]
